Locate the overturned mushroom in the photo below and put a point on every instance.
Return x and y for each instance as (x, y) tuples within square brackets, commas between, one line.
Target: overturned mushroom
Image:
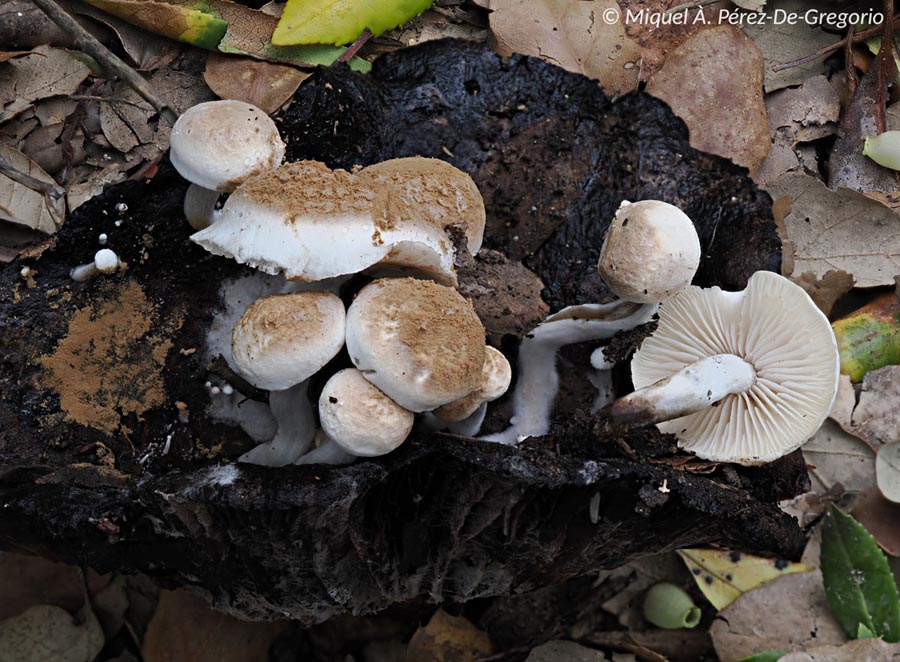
[(216, 146), (419, 342), (312, 223), (741, 377), (278, 344)]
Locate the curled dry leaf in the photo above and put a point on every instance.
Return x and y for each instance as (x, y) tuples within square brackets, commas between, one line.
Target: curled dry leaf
[(825, 291), (23, 205), (887, 471), (880, 517), (839, 230), (45, 73), (876, 418), (838, 457), (571, 34), (264, 84), (788, 613), (147, 50), (713, 81)]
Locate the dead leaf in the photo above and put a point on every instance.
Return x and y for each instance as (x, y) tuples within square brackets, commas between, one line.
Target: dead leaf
[(870, 650), (264, 84), (16, 238), (750, 5), (714, 83), (881, 518), (46, 73), (23, 25), (785, 41), (9, 55), (432, 25), (627, 603), (808, 112), (448, 638), (789, 613), (185, 627), (839, 230), (838, 457), (45, 632), (827, 290), (877, 416), (24, 206), (147, 50), (558, 651), (572, 35)]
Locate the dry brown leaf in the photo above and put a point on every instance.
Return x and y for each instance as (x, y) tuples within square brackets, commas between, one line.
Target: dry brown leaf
[(876, 418), (185, 627), (263, 84), (23, 206), (571, 34), (448, 638), (782, 42), (713, 81), (870, 650), (808, 112), (557, 651), (46, 73), (881, 518), (45, 632), (838, 457), (432, 25), (839, 230), (827, 290), (790, 613), (147, 50), (9, 55)]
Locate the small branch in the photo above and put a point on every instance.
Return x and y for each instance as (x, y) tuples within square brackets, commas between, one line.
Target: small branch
[(51, 190), (353, 48), (822, 52), (110, 61)]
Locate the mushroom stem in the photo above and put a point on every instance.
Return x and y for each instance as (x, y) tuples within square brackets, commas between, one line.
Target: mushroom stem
[(327, 453), (693, 388), (296, 429), (200, 206)]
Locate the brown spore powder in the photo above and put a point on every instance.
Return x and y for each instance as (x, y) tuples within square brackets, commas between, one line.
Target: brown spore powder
[(108, 366)]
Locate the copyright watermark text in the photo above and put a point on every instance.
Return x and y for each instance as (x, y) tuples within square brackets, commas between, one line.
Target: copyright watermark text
[(690, 16)]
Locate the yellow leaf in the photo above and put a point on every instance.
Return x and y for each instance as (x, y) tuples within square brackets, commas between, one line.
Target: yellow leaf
[(723, 576), (341, 21)]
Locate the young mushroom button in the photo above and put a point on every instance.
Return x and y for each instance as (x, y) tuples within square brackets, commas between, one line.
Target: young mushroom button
[(359, 418), (741, 377), (419, 342), (650, 252), (216, 146), (284, 339), (496, 376)]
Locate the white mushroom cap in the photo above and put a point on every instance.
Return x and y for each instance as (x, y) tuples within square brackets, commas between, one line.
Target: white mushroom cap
[(313, 223), (650, 252), (219, 144), (106, 261), (284, 339), (496, 376), (419, 342), (775, 327), (432, 190), (361, 419)]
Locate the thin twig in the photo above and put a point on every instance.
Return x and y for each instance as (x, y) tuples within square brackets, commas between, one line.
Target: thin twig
[(852, 77), (50, 189), (812, 57), (110, 61), (353, 48), (109, 100)]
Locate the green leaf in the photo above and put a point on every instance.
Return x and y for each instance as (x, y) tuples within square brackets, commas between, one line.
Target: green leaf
[(765, 656), (859, 584), (341, 21), (864, 632)]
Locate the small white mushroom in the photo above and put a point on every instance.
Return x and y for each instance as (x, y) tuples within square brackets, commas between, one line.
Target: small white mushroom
[(105, 262), (216, 146), (359, 418), (765, 357), (650, 252), (419, 342), (496, 375)]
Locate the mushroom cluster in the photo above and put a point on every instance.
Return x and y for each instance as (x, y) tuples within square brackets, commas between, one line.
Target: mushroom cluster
[(414, 343)]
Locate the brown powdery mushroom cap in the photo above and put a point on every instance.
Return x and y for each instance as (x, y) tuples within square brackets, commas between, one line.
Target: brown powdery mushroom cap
[(284, 339), (496, 376), (312, 223), (219, 144), (419, 342), (791, 350)]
